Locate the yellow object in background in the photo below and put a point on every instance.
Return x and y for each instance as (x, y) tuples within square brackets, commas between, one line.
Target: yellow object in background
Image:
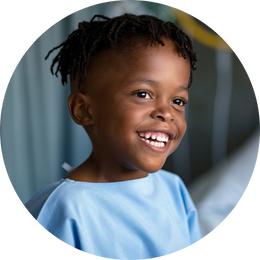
[(199, 33)]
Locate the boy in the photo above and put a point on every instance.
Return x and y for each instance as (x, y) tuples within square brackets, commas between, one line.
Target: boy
[(129, 80)]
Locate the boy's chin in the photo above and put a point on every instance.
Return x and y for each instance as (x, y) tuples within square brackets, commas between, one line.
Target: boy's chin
[(152, 168)]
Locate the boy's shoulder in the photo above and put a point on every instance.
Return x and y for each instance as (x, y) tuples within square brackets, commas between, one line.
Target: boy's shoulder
[(66, 193), (61, 194), (35, 204)]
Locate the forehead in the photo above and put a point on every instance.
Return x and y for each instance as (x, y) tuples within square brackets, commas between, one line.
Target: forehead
[(133, 59)]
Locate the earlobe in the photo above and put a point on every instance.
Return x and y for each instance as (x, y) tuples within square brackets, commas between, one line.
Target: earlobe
[(80, 109)]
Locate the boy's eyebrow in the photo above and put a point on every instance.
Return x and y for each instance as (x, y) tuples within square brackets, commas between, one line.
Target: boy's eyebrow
[(153, 83)]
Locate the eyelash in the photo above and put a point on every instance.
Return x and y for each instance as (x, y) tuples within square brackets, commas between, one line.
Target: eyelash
[(184, 102)]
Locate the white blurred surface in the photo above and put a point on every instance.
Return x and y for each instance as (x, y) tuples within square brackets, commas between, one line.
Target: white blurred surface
[(217, 191)]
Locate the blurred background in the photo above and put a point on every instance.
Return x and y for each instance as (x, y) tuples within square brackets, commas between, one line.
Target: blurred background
[(216, 157)]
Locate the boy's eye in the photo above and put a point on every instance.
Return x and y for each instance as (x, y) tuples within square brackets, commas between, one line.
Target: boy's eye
[(183, 102), (143, 94)]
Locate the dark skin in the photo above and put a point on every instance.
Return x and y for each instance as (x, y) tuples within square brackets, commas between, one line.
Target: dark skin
[(131, 96)]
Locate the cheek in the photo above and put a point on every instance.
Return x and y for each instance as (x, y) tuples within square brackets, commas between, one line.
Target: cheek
[(130, 114)]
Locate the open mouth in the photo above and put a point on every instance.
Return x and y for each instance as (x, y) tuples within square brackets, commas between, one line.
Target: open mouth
[(156, 139), (156, 145)]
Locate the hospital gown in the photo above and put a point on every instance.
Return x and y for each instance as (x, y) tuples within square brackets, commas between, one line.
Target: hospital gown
[(135, 219)]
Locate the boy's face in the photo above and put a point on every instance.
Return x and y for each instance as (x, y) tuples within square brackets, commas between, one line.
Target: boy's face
[(138, 102)]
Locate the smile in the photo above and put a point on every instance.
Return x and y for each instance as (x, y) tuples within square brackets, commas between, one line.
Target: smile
[(155, 139), (154, 145)]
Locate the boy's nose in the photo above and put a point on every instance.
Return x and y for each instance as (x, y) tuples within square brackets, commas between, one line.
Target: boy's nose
[(165, 118), (163, 114)]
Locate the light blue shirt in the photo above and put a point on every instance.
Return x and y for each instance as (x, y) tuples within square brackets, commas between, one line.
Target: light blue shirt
[(135, 219)]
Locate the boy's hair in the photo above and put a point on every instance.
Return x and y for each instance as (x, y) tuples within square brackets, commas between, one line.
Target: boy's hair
[(94, 36)]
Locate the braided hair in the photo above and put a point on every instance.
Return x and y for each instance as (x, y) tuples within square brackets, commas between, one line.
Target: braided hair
[(96, 35)]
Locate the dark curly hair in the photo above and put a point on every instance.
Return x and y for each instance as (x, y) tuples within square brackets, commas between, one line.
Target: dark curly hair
[(96, 35)]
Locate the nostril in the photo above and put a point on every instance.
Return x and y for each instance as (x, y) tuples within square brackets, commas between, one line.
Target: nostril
[(161, 118)]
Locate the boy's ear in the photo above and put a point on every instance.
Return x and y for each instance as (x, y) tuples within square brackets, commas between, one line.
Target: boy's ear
[(80, 109)]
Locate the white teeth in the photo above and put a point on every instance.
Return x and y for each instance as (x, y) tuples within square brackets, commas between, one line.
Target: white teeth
[(156, 144), (159, 138), (164, 139), (147, 136), (154, 137)]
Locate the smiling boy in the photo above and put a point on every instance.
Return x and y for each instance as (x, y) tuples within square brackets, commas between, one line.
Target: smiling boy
[(128, 90), (140, 96)]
